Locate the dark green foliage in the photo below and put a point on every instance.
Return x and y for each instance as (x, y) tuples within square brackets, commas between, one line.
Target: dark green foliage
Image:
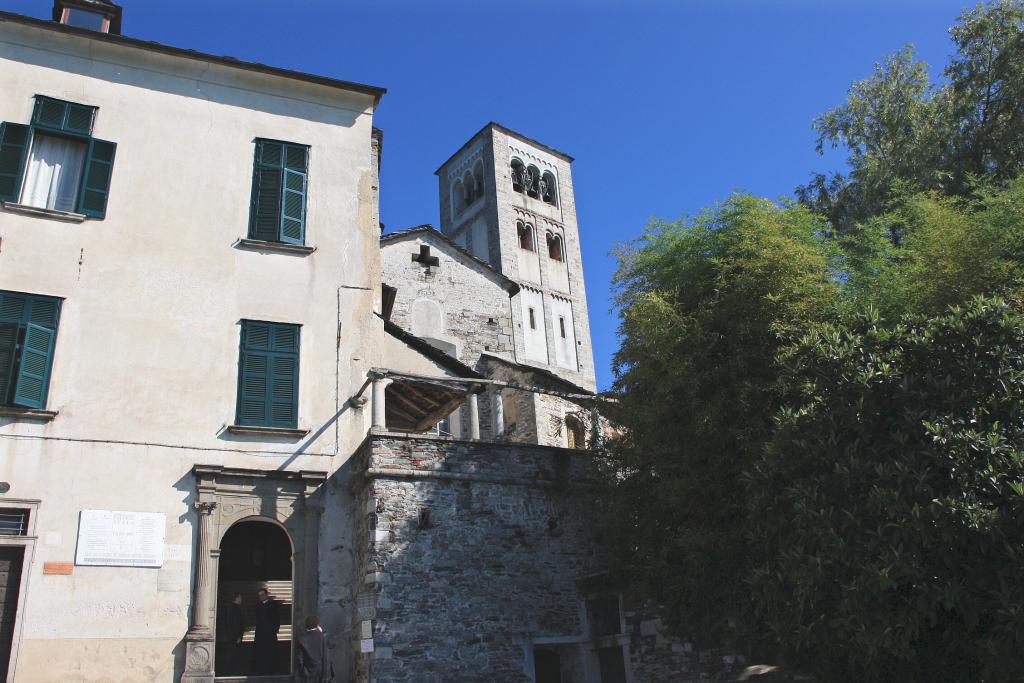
[(890, 501), (703, 302), (947, 250), (821, 461)]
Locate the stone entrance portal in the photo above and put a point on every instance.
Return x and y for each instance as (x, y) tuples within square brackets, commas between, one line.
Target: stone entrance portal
[(234, 509), (254, 555)]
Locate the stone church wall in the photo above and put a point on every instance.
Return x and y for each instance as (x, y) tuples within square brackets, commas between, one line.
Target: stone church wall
[(474, 557)]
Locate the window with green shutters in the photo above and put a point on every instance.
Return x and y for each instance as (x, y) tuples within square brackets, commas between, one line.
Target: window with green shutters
[(279, 179), (268, 375), (28, 331), (54, 162)]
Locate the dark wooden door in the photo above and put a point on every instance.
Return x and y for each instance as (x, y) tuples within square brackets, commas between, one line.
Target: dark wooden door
[(10, 583)]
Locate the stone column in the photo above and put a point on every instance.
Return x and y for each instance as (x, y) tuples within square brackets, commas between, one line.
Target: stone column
[(380, 385), (499, 414), (474, 416), (199, 639)]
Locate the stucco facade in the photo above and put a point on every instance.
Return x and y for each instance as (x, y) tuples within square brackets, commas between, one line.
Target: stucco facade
[(145, 368)]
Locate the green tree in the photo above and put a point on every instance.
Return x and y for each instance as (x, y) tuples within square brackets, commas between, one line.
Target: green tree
[(703, 303), (904, 135), (949, 249), (985, 97), (890, 500), (889, 128)]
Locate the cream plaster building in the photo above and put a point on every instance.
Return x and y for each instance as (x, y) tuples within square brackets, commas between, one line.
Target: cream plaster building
[(216, 376)]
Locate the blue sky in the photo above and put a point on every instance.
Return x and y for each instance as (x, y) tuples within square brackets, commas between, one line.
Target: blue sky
[(667, 105)]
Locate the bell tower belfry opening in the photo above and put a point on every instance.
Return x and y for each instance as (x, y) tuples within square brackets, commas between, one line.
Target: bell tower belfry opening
[(509, 201)]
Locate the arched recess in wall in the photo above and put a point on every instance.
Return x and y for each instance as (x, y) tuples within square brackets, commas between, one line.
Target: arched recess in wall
[(427, 319), (469, 188), (555, 251), (549, 188), (517, 170), (478, 180), (531, 183), (458, 197), (525, 233), (575, 432)]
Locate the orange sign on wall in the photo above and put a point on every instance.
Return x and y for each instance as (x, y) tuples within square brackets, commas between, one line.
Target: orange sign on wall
[(58, 567)]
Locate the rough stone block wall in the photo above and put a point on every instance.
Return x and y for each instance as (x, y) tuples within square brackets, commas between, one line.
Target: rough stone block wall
[(657, 656), (458, 597), (471, 554), (475, 308)]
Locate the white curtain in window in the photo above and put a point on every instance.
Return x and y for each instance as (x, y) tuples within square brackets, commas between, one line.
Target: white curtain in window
[(54, 172)]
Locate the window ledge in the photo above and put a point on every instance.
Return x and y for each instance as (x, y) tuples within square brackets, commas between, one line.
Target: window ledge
[(251, 430), (66, 216), (18, 412), (279, 247)]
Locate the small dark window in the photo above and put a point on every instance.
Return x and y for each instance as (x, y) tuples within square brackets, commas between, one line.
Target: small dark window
[(13, 522), (554, 247), (561, 326), (525, 236), (603, 611), (547, 666), (533, 320), (612, 665)]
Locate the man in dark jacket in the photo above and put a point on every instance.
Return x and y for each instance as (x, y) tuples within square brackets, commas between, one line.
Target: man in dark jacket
[(268, 623), (229, 634), (313, 661)]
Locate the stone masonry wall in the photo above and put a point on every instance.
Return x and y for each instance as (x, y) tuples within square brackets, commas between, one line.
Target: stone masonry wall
[(473, 307), (458, 597), (476, 556)]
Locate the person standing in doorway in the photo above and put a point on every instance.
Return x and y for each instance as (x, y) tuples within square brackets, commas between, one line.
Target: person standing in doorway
[(268, 623), (229, 633), (313, 661)]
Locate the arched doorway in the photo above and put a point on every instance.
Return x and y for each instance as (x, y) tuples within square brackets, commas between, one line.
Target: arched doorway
[(254, 555)]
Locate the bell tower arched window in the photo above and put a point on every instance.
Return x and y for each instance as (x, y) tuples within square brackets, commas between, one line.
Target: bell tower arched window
[(548, 188), (525, 232), (555, 247), (531, 182), (478, 180), (517, 171), (458, 197)]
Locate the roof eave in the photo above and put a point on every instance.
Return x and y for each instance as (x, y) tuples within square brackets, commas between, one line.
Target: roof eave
[(114, 39)]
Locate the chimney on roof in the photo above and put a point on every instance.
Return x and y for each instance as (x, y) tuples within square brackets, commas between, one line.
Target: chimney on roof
[(95, 15)]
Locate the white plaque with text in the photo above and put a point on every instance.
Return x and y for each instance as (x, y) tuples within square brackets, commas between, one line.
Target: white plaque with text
[(121, 539)]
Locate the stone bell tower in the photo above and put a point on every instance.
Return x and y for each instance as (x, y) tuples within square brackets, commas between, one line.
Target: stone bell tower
[(509, 200)]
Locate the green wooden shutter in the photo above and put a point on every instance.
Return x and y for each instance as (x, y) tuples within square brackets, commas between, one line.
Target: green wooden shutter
[(14, 139), (266, 204), (293, 203), (34, 372), (278, 206), (253, 374), (99, 165), (268, 375), (49, 113), (8, 342), (66, 117), (284, 389)]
